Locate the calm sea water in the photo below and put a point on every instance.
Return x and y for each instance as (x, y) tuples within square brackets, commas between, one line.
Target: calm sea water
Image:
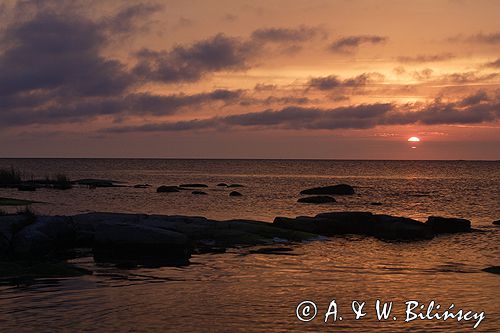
[(243, 292)]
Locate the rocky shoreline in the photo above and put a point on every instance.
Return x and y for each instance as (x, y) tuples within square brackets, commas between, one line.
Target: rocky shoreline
[(115, 236)]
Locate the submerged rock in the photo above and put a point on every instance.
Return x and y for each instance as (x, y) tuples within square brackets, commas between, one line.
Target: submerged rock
[(222, 185), (497, 222), (235, 194), (91, 182), (167, 189), (235, 185), (320, 199), (448, 225), (199, 193), (193, 185), (142, 186), (26, 187), (341, 189)]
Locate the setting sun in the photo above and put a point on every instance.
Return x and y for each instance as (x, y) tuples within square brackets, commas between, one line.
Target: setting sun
[(413, 139)]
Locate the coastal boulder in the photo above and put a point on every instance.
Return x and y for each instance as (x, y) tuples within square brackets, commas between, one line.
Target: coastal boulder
[(440, 225), (117, 242), (235, 194), (340, 189), (46, 235), (167, 189), (358, 223), (222, 185), (319, 199)]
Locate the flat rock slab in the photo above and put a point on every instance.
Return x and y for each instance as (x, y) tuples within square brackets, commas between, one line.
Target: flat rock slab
[(319, 199), (340, 189)]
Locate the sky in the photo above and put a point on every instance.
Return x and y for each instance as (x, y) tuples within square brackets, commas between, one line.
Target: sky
[(321, 79)]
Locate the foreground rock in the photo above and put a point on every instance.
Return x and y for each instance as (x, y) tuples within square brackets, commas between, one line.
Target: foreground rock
[(320, 199), (341, 189), (119, 242), (359, 223), (132, 238), (441, 225)]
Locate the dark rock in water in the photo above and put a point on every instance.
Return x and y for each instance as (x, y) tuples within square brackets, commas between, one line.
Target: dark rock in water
[(90, 182), (341, 189), (24, 272), (193, 185), (448, 225), (142, 186), (320, 199), (9, 226), (26, 187), (222, 184), (199, 193), (492, 269), (376, 203), (235, 194), (167, 189), (235, 185), (359, 223), (139, 243), (496, 222)]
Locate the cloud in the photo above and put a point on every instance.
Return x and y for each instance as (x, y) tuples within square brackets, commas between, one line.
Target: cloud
[(423, 58), (280, 35), (127, 18), (191, 63), (54, 52), (491, 38), (494, 64), (351, 43), (473, 109), (332, 81)]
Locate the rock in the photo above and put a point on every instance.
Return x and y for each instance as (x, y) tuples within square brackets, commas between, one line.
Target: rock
[(376, 203), (139, 243), (199, 193), (448, 225), (26, 187), (497, 222), (15, 202), (286, 251), (235, 185), (320, 199), (47, 235), (91, 182), (359, 223), (22, 272), (193, 185), (492, 269), (9, 226), (222, 184), (167, 189), (341, 189), (142, 186), (235, 194)]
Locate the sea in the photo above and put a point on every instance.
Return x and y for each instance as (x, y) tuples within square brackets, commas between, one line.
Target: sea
[(244, 291)]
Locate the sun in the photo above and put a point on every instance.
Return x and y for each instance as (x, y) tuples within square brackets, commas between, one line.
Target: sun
[(413, 139)]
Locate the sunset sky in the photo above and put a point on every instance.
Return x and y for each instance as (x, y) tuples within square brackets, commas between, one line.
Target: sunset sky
[(250, 79)]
